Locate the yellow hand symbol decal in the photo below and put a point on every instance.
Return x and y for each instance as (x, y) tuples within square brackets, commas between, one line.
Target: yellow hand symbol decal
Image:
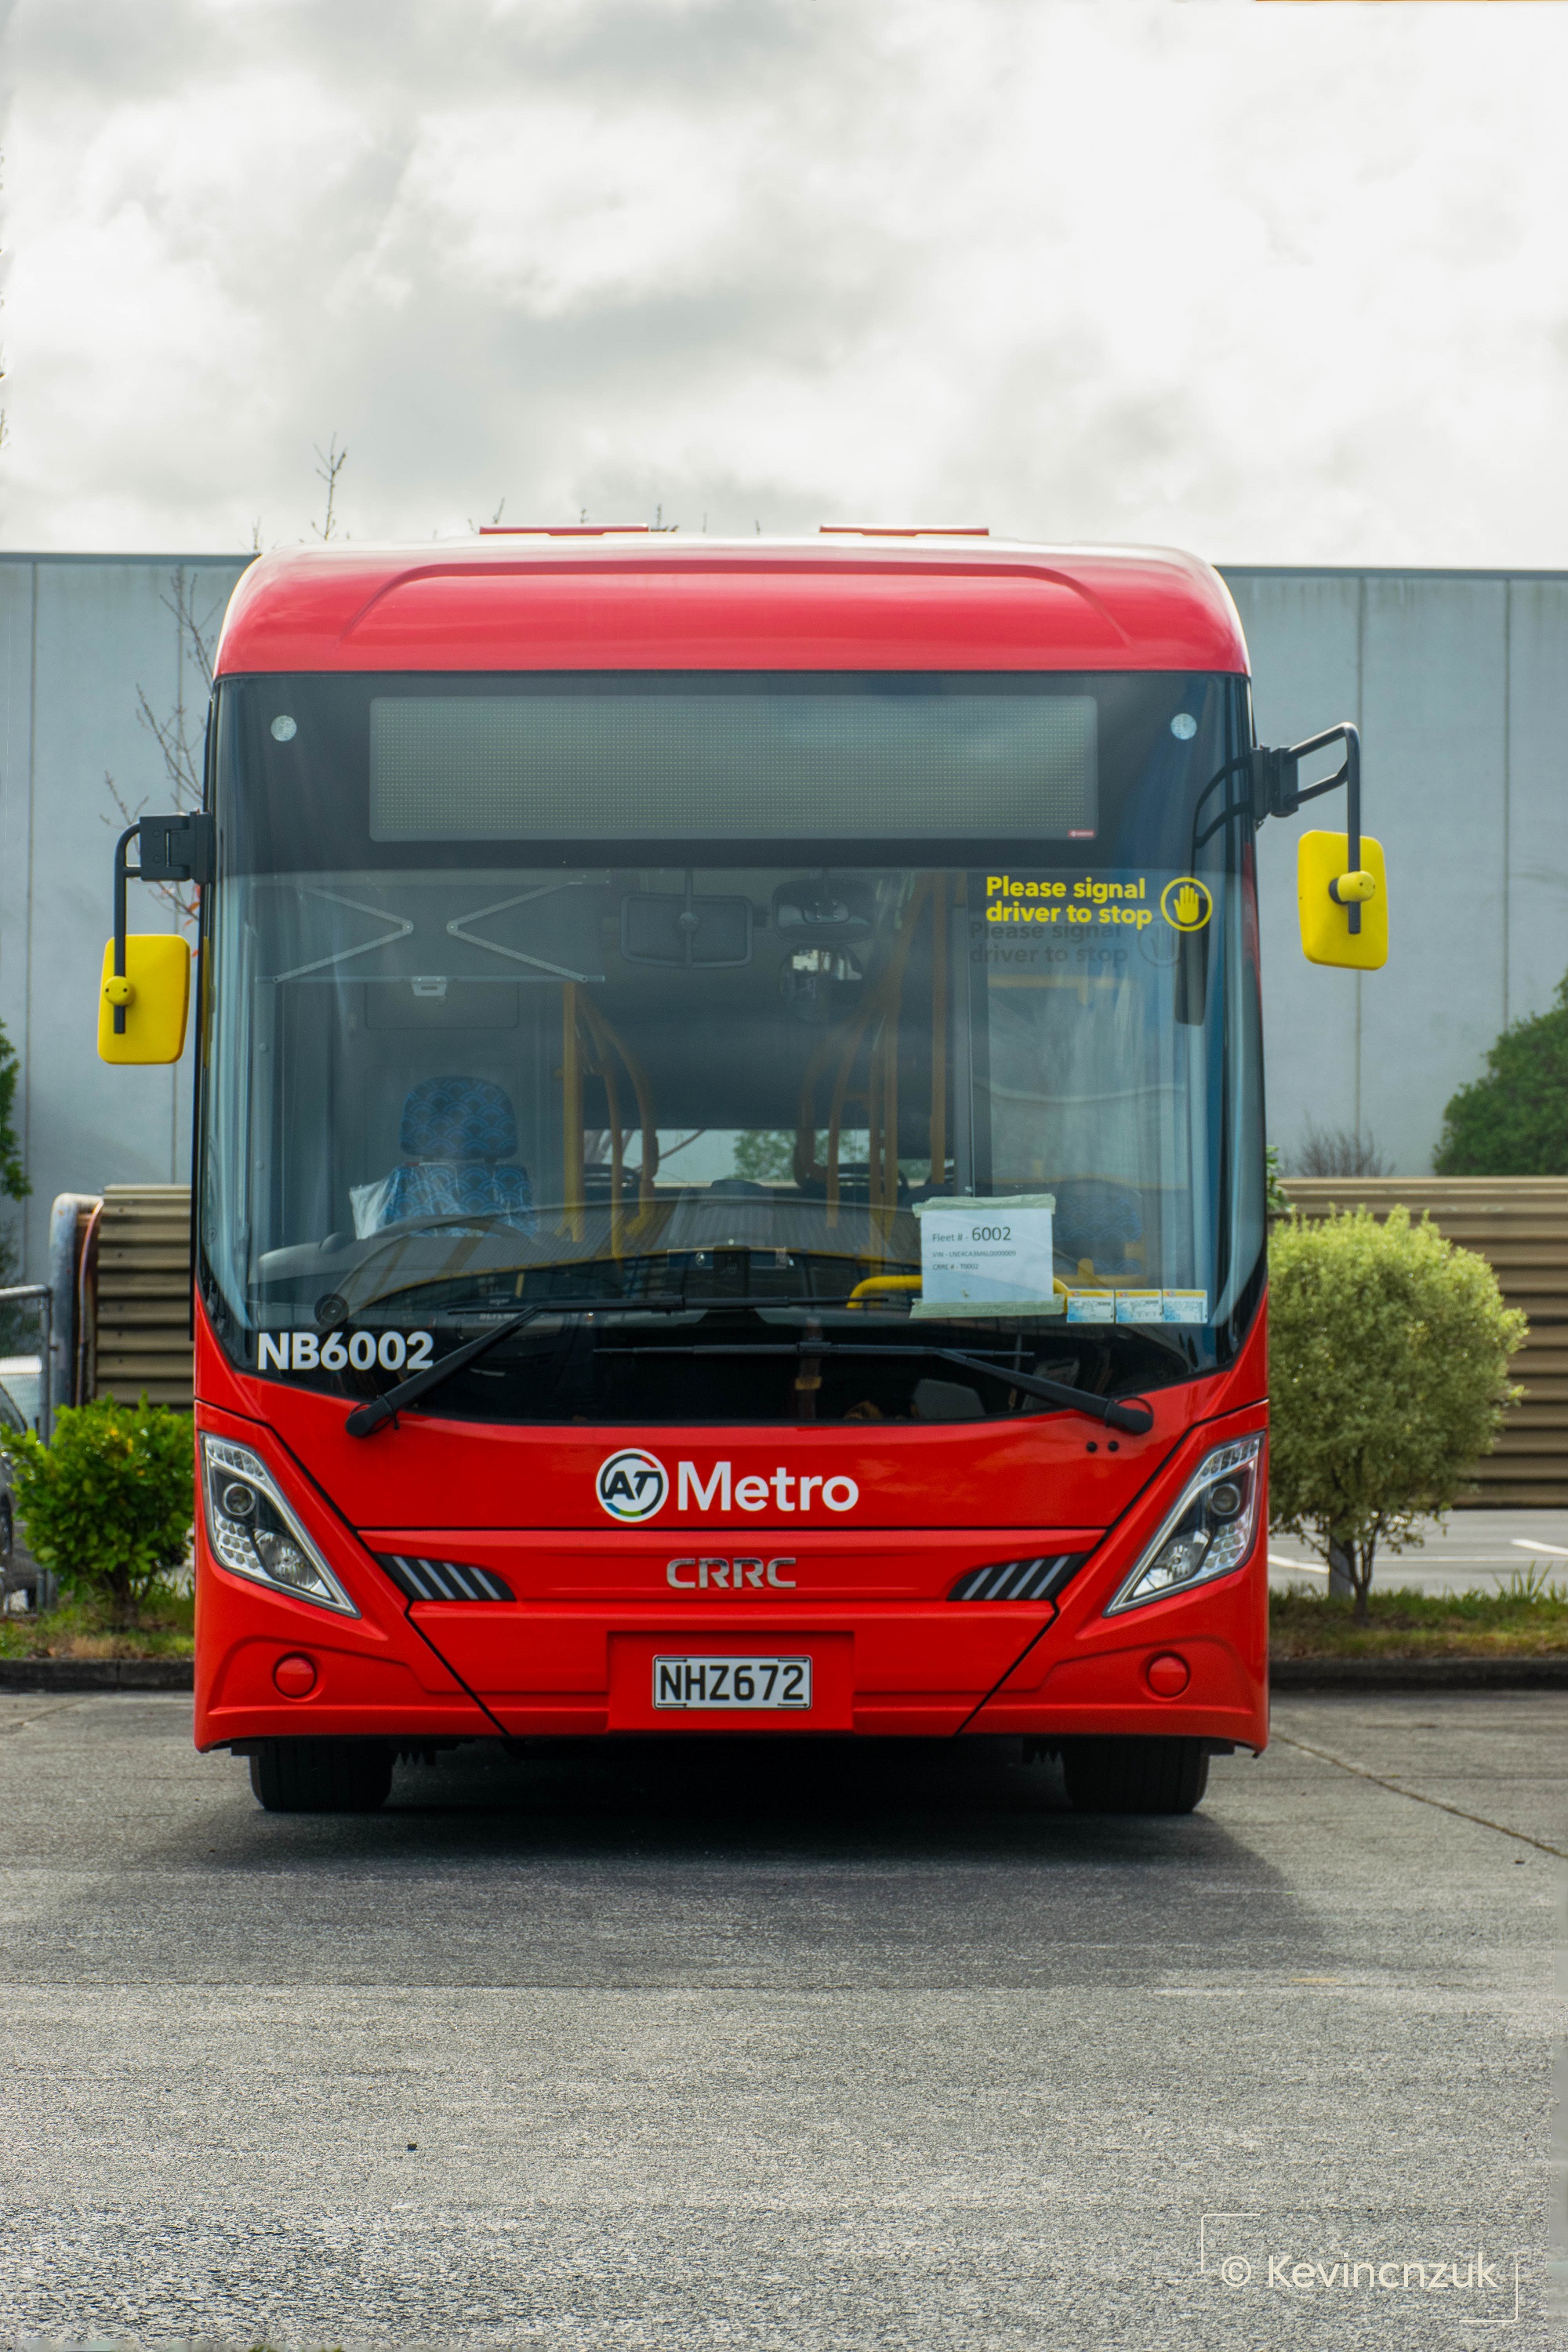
[(1186, 903)]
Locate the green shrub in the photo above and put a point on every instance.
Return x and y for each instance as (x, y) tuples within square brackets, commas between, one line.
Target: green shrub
[(1514, 1121), (107, 1504), (1389, 1351)]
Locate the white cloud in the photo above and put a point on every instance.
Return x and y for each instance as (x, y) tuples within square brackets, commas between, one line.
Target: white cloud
[(1279, 283)]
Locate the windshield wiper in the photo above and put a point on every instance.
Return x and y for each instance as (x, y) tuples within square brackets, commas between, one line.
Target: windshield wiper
[(1136, 1418), (366, 1419)]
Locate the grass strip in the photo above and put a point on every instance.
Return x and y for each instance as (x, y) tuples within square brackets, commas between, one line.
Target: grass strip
[(77, 1629), (1526, 1617)]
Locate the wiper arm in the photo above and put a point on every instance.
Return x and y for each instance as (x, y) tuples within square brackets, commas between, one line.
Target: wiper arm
[(366, 1419), (1136, 1418)]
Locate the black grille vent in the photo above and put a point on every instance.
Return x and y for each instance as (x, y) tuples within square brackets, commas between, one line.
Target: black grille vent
[(444, 1579), (1020, 1580)]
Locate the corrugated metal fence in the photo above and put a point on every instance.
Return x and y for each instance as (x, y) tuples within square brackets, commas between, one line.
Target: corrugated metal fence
[(1519, 1224), (137, 1294), (138, 1290)]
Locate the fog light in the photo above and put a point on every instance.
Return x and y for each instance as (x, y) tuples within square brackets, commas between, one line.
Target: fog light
[(295, 1676)]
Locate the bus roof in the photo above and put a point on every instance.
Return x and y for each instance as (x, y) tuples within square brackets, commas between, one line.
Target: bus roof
[(650, 601)]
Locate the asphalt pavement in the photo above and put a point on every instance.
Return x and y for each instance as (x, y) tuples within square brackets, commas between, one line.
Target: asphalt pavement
[(717, 2044), (1472, 1550)]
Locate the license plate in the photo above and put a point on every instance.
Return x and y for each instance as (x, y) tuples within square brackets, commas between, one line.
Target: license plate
[(708, 1682)]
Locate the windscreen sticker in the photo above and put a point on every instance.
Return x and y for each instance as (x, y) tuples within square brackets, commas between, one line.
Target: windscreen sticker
[(1184, 1305), (1092, 1307), (1066, 900), (1186, 903), (1139, 1307)]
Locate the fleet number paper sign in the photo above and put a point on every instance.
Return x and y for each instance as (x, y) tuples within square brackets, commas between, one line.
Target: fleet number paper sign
[(980, 1253)]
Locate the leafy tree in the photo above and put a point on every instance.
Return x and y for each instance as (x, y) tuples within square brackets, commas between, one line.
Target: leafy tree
[(1513, 1121), (764, 1154), (1339, 1151), (1389, 1350), (107, 1506)]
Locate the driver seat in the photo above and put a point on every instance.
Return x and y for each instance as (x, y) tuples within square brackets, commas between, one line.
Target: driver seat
[(458, 1134)]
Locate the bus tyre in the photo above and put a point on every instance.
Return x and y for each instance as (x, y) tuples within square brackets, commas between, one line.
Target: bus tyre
[(321, 1776), (1134, 1776)]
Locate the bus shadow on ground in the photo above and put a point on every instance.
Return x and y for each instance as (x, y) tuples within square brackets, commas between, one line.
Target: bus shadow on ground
[(761, 1862), (679, 1796)]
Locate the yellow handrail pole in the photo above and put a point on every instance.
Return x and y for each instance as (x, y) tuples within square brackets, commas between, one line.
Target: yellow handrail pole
[(875, 1283), (939, 1031), (573, 1222), (805, 1157), (604, 1069), (617, 1154), (836, 1110), (610, 1036), (890, 1113), (888, 989), (874, 1086), (888, 1047), (849, 1034)]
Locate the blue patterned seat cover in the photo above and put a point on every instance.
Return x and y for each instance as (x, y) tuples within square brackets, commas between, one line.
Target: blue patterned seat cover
[(456, 1132)]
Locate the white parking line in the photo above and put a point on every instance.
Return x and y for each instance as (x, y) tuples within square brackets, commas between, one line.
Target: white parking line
[(1307, 1566), (1523, 1543)]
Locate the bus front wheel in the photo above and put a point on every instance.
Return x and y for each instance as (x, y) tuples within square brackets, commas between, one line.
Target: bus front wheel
[(1135, 1775), (321, 1776)]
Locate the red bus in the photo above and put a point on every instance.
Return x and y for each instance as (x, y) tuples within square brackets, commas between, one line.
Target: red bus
[(729, 1176)]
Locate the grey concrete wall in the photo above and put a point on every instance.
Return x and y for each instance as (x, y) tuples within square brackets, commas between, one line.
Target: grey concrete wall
[(1459, 681), (80, 635)]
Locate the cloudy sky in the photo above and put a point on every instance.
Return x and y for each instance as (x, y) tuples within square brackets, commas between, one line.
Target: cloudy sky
[(1281, 283)]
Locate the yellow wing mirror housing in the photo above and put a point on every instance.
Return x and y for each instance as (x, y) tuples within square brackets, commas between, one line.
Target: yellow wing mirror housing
[(144, 996), (152, 994), (1343, 909)]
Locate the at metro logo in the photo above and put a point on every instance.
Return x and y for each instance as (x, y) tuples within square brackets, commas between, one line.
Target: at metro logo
[(782, 1492), (633, 1487)]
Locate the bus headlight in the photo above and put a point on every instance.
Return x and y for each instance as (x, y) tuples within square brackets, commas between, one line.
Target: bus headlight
[(1209, 1532), (254, 1533)]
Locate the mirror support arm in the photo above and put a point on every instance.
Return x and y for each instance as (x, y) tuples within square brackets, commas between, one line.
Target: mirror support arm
[(169, 849), (1278, 793), (122, 873)]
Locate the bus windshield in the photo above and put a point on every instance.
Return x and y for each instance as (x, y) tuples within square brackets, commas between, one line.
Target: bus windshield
[(711, 1016)]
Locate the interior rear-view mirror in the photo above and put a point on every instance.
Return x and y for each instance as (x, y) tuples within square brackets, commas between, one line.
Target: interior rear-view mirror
[(825, 912)]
